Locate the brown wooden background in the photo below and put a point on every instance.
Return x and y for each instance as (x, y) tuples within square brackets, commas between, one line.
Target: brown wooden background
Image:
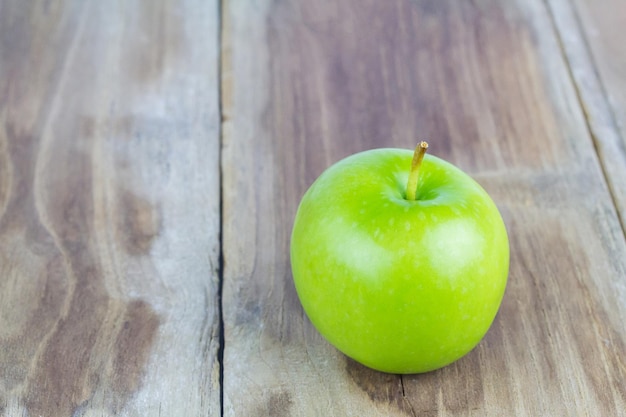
[(153, 153)]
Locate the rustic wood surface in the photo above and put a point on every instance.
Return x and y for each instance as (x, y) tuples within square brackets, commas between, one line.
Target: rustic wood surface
[(153, 154), (590, 36), (109, 208)]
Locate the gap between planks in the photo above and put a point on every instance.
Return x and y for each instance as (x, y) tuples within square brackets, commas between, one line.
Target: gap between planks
[(581, 98), (221, 13)]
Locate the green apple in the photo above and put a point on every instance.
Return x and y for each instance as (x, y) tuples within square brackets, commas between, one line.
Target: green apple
[(403, 279)]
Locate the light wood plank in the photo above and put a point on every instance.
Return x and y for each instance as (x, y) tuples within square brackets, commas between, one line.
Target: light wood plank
[(109, 208), (592, 39), (307, 83)]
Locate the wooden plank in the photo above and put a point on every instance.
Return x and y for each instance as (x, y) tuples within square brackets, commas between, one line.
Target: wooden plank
[(591, 37), (307, 83), (109, 208)]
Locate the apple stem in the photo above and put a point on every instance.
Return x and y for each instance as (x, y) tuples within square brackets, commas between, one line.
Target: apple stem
[(418, 155)]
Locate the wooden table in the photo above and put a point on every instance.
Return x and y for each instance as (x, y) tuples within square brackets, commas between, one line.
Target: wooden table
[(153, 153)]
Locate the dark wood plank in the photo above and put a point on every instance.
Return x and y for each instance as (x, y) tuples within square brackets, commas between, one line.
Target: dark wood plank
[(307, 83), (109, 208)]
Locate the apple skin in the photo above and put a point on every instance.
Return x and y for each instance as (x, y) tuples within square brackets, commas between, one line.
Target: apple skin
[(400, 286)]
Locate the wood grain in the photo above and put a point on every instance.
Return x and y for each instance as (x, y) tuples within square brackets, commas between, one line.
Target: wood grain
[(486, 82), (119, 132), (590, 33), (109, 208)]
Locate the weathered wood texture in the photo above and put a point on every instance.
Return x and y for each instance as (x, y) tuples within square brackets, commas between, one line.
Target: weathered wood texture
[(110, 158), (109, 208), (486, 82), (591, 33)]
